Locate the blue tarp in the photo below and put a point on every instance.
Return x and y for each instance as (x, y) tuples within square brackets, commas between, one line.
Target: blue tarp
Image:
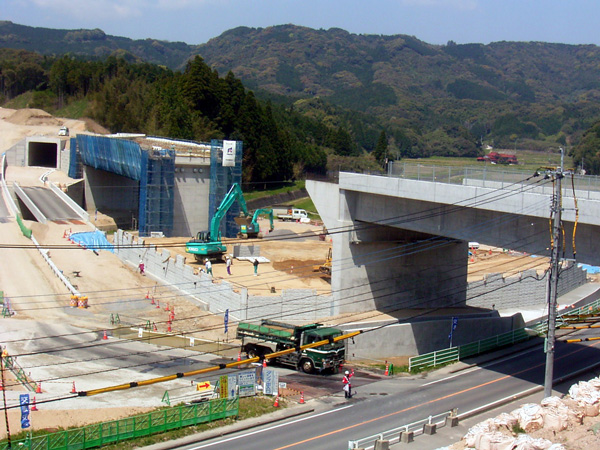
[(92, 240), (589, 269)]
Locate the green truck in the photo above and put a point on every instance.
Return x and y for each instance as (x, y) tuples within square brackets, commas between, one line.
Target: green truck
[(270, 336)]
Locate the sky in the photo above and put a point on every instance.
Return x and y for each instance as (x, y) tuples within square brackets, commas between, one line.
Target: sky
[(432, 21)]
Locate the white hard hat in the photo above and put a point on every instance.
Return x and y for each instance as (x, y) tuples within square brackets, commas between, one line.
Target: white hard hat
[(347, 373)]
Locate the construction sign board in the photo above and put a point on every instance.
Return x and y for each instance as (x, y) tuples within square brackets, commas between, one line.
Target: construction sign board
[(246, 382)]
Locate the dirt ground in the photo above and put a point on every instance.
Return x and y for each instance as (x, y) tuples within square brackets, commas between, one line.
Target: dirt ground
[(292, 249)]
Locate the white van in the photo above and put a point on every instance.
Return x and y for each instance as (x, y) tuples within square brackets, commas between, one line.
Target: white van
[(64, 131)]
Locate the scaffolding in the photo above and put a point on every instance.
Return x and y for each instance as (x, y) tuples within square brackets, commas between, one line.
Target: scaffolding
[(221, 179), (157, 186)]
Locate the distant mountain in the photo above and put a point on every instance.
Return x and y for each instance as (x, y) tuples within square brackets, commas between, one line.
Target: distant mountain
[(92, 43), (498, 92), (299, 61)]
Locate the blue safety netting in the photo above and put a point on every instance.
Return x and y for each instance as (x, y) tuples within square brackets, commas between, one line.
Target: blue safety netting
[(119, 156), (75, 166), (589, 269), (221, 179), (92, 240)]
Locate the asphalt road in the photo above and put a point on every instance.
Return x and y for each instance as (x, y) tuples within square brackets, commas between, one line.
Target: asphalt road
[(395, 402), (50, 204)]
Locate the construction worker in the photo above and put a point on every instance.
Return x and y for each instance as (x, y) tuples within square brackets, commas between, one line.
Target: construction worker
[(208, 266), (347, 383)]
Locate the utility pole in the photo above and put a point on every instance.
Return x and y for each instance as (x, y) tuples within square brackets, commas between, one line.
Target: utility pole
[(556, 210)]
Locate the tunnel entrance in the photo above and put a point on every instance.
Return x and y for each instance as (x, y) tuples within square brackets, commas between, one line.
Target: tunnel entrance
[(42, 154)]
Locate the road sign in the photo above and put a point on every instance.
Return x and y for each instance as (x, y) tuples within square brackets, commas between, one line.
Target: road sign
[(203, 386)]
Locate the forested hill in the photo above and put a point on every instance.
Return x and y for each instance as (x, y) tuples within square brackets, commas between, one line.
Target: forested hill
[(295, 60), (428, 99), (93, 43)]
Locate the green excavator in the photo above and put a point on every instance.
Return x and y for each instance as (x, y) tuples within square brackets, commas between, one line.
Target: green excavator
[(207, 244)]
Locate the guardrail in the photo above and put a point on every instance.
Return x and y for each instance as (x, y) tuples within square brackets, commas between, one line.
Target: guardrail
[(131, 427), (423, 171), (394, 435), (455, 354)]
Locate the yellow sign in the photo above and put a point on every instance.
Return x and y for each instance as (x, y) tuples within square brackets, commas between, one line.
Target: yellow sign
[(224, 386), (204, 386)]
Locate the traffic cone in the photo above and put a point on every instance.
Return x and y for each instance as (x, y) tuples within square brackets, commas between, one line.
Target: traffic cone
[(155, 329), (169, 327), (167, 308), (64, 234), (387, 369), (105, 337), (153, 302), (239, 356), (302, 398), (38, 388), (264, 363), (147, 295), (73, 390), (33, 405), (172, 316), (157, 304), (276, 404), (2, 385)]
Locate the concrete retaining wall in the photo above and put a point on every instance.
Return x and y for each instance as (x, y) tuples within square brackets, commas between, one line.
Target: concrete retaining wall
[(409, 339), (522, 290), (292, 305)]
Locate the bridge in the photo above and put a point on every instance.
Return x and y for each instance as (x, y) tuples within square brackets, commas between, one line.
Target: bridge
[(401, 240)]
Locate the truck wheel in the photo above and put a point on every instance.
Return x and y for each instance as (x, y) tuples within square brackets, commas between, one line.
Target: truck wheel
[(307, 366), (251, 352)]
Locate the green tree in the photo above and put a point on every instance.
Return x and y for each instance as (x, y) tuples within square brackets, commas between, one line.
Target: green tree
[(380, 152)]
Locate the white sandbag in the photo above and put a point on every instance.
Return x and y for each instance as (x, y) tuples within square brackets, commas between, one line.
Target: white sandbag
[(525, 442), (495, 441), (505, 420), (530, 416), (477, 430)]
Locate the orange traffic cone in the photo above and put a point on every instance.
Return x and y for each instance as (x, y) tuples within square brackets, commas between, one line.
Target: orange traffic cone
[(276, 404), (73, 390), (239, 356), (33, 405), (105, 337), (264, 363), (387, 369), (302, 398), (38, 388)]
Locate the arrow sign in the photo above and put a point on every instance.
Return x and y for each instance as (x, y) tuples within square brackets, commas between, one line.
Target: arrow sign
[(203, 386)]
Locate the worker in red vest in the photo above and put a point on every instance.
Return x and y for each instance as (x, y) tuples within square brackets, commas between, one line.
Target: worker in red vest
[(347, 383)]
